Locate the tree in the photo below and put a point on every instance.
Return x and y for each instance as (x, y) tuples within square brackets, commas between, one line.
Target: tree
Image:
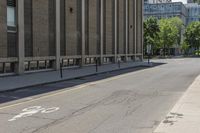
[(197, 1), (192, 35), (169, 34), (151, 30), (185, 47), (176, 21)]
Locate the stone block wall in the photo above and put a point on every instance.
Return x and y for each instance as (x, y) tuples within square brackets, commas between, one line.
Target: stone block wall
[(139, 18), (73, 27), (109, 27), (121, 26), (92, 27), (40, 24), (3, 28), (131, 27), (40, 30)]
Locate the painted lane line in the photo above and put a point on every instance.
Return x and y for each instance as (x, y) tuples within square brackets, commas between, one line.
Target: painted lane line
[(27, 112), (78, 88)]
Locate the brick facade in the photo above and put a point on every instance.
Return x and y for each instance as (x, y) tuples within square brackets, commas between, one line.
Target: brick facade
[(73, 27), (93, 30), (3, 28), (109, 27), (40, 21), (121, 27), (122, 37), (131, 28)]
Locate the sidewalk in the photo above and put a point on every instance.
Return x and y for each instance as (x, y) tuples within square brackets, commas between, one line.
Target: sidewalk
[(185, 116), (26, 80)]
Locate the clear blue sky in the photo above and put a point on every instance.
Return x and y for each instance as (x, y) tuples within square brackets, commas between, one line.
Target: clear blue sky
[(184, 1)]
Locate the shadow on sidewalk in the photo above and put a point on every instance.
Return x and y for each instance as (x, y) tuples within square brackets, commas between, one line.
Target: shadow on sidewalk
[(40, 90)]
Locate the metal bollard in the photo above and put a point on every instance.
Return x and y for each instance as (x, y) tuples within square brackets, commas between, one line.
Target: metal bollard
[(119, 63), (61, 69), (96, 64)]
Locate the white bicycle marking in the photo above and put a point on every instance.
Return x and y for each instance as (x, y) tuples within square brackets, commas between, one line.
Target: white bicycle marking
[(27, 112)]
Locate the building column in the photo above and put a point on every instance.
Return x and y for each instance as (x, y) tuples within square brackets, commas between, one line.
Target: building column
[(135, 28), (127, 30), (142, 7), (21, 41), (102, 31), (57, 64), (83, 34), (116, 28)]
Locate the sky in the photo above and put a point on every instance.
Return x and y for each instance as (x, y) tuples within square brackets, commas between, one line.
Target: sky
[(184, 1)]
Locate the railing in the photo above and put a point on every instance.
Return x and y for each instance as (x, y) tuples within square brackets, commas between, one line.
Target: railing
[(36, 64), (7, 65)]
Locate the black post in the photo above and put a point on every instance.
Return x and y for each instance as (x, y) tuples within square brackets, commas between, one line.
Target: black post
[(119, 63), (61, 69), (149, 58), (96, 64)]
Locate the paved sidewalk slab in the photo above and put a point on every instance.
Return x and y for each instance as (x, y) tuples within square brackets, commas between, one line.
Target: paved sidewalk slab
[(185, 116), (26, 80)]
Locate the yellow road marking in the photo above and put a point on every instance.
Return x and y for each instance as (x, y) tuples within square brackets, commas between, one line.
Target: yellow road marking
[(72, 90)]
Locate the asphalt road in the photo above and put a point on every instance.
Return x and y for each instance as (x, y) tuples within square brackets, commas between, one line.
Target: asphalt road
[(129, 101)]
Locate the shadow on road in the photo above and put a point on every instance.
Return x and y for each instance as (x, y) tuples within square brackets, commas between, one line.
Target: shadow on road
[(64, 85)]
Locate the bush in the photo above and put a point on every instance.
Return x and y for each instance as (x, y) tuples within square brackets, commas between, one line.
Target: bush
[(197, 52)]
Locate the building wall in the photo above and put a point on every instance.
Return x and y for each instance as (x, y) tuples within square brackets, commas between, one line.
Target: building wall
[(109, 27), (73, 27), (121, 26), (139, 24), (28, 28), (131, 44), (3, 28), (62, 28), (92, 27), (40, 23), (120, 38)]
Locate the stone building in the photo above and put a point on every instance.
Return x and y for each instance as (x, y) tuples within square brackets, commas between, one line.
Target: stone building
[(44, 34)]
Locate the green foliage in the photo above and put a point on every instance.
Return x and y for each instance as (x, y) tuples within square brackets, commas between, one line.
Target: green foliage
[(179, 25), (197, 52), (164, 33), (185, 47), (192, 35), (197, 1), (151, 32), (170, 32)]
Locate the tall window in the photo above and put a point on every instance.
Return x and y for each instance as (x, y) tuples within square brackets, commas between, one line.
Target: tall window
[(11, 14)]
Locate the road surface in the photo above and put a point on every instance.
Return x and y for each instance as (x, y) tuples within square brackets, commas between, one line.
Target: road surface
[(129, 101)]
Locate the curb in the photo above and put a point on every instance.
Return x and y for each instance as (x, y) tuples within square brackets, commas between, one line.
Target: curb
[(72, 78), (184, 116)]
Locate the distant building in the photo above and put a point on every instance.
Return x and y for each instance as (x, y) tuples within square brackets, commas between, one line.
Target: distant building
[(193, 12), (157, 1), (166, 10), (190, 1)]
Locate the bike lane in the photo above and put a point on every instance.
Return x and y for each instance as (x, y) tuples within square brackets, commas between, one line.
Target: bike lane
[(35, 114)]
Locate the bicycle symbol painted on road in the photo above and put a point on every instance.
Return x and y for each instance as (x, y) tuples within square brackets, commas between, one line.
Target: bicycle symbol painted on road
[(27, 112)]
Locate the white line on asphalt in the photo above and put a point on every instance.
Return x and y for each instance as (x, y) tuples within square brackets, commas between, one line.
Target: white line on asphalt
[(79, 87), (27, 112)]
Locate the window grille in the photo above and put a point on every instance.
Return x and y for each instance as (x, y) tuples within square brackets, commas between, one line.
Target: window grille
[(11, 3)]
